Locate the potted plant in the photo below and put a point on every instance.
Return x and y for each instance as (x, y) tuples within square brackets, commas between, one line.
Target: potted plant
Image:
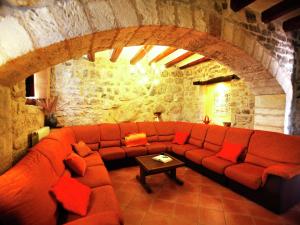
[(48, 106)]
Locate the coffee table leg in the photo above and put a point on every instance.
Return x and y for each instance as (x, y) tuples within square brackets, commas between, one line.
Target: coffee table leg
[(172, 175), (142, 179)]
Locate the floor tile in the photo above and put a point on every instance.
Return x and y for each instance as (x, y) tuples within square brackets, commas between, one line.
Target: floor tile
[(188, 211), (238, 219), (162, 207), (210, 202), (211, 217)]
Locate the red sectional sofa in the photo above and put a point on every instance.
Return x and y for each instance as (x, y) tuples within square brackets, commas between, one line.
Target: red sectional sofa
[(268, 170)]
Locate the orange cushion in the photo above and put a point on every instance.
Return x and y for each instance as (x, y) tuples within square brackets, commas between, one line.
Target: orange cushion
[(137, 139), (76, 163), (73, 195), (82, 149), (230, 151), (180, 138)]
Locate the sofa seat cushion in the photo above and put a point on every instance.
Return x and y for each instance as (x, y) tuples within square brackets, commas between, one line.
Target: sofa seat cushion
[(197, 155), (216, 164), (103, 218), (102, 199), (181, 149), (156, 147), (247, 174), (135, 151), (93, 159), (95, 176), (112, 153)]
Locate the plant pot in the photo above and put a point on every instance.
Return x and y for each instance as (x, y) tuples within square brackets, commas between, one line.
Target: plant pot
[(50, 121)]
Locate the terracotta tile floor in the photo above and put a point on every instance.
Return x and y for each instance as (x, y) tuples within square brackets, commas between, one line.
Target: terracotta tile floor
[(200, 201)]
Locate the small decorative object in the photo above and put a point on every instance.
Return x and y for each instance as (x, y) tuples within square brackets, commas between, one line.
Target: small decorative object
[(227, 124), (157, 116), (206, 120), (48, 106)]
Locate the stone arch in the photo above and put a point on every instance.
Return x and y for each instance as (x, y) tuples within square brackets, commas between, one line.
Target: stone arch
[(51, 33)]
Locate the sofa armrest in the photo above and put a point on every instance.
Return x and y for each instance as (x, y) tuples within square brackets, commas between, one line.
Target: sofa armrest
[(104, 218), (286, 171)]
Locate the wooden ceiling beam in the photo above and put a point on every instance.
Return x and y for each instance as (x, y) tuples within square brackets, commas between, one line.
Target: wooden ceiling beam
[(115, 54), (291, 24), (279, 10), (179, 59), (237, 5), (194, 63), (140, 54), (162, 55), (91, 56)]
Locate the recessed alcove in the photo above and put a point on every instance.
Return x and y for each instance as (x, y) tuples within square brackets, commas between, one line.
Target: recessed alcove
[(93, 92)]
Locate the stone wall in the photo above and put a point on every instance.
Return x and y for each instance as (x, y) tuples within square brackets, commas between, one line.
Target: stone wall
[(5, 129), (269, 112), (102, 91), (241, 101), (17, 122)]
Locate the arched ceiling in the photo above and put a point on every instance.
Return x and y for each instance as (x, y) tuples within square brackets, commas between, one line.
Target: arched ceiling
[(53, 32)]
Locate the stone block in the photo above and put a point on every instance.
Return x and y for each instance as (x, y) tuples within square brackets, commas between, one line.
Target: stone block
[(42, 26), (200, 23), (14, 40), (123, 37), (101, 15), (227, 31), (103, 40), (270, 101), (142, 35), (70, 16), (125, 13), (184, 15), (147, 12), (166, 12), (79, 46)]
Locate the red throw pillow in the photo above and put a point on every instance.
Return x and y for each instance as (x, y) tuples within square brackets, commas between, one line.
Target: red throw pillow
[(76, 163), (73, 195), (137, 139), (180, 138), (230, 151), (82, 149)]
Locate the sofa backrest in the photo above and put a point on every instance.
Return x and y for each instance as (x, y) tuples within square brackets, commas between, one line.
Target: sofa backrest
[(149, 129), (215, 137), (198, 134), (127, 128), (165, 130), (89, 134), (55, 152), (65, 136), (183, 127), (268, 148), (24, 191), (110, 135), (240, 136)]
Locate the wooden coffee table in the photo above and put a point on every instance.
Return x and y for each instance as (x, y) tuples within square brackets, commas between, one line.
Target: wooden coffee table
[(148, 166)]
